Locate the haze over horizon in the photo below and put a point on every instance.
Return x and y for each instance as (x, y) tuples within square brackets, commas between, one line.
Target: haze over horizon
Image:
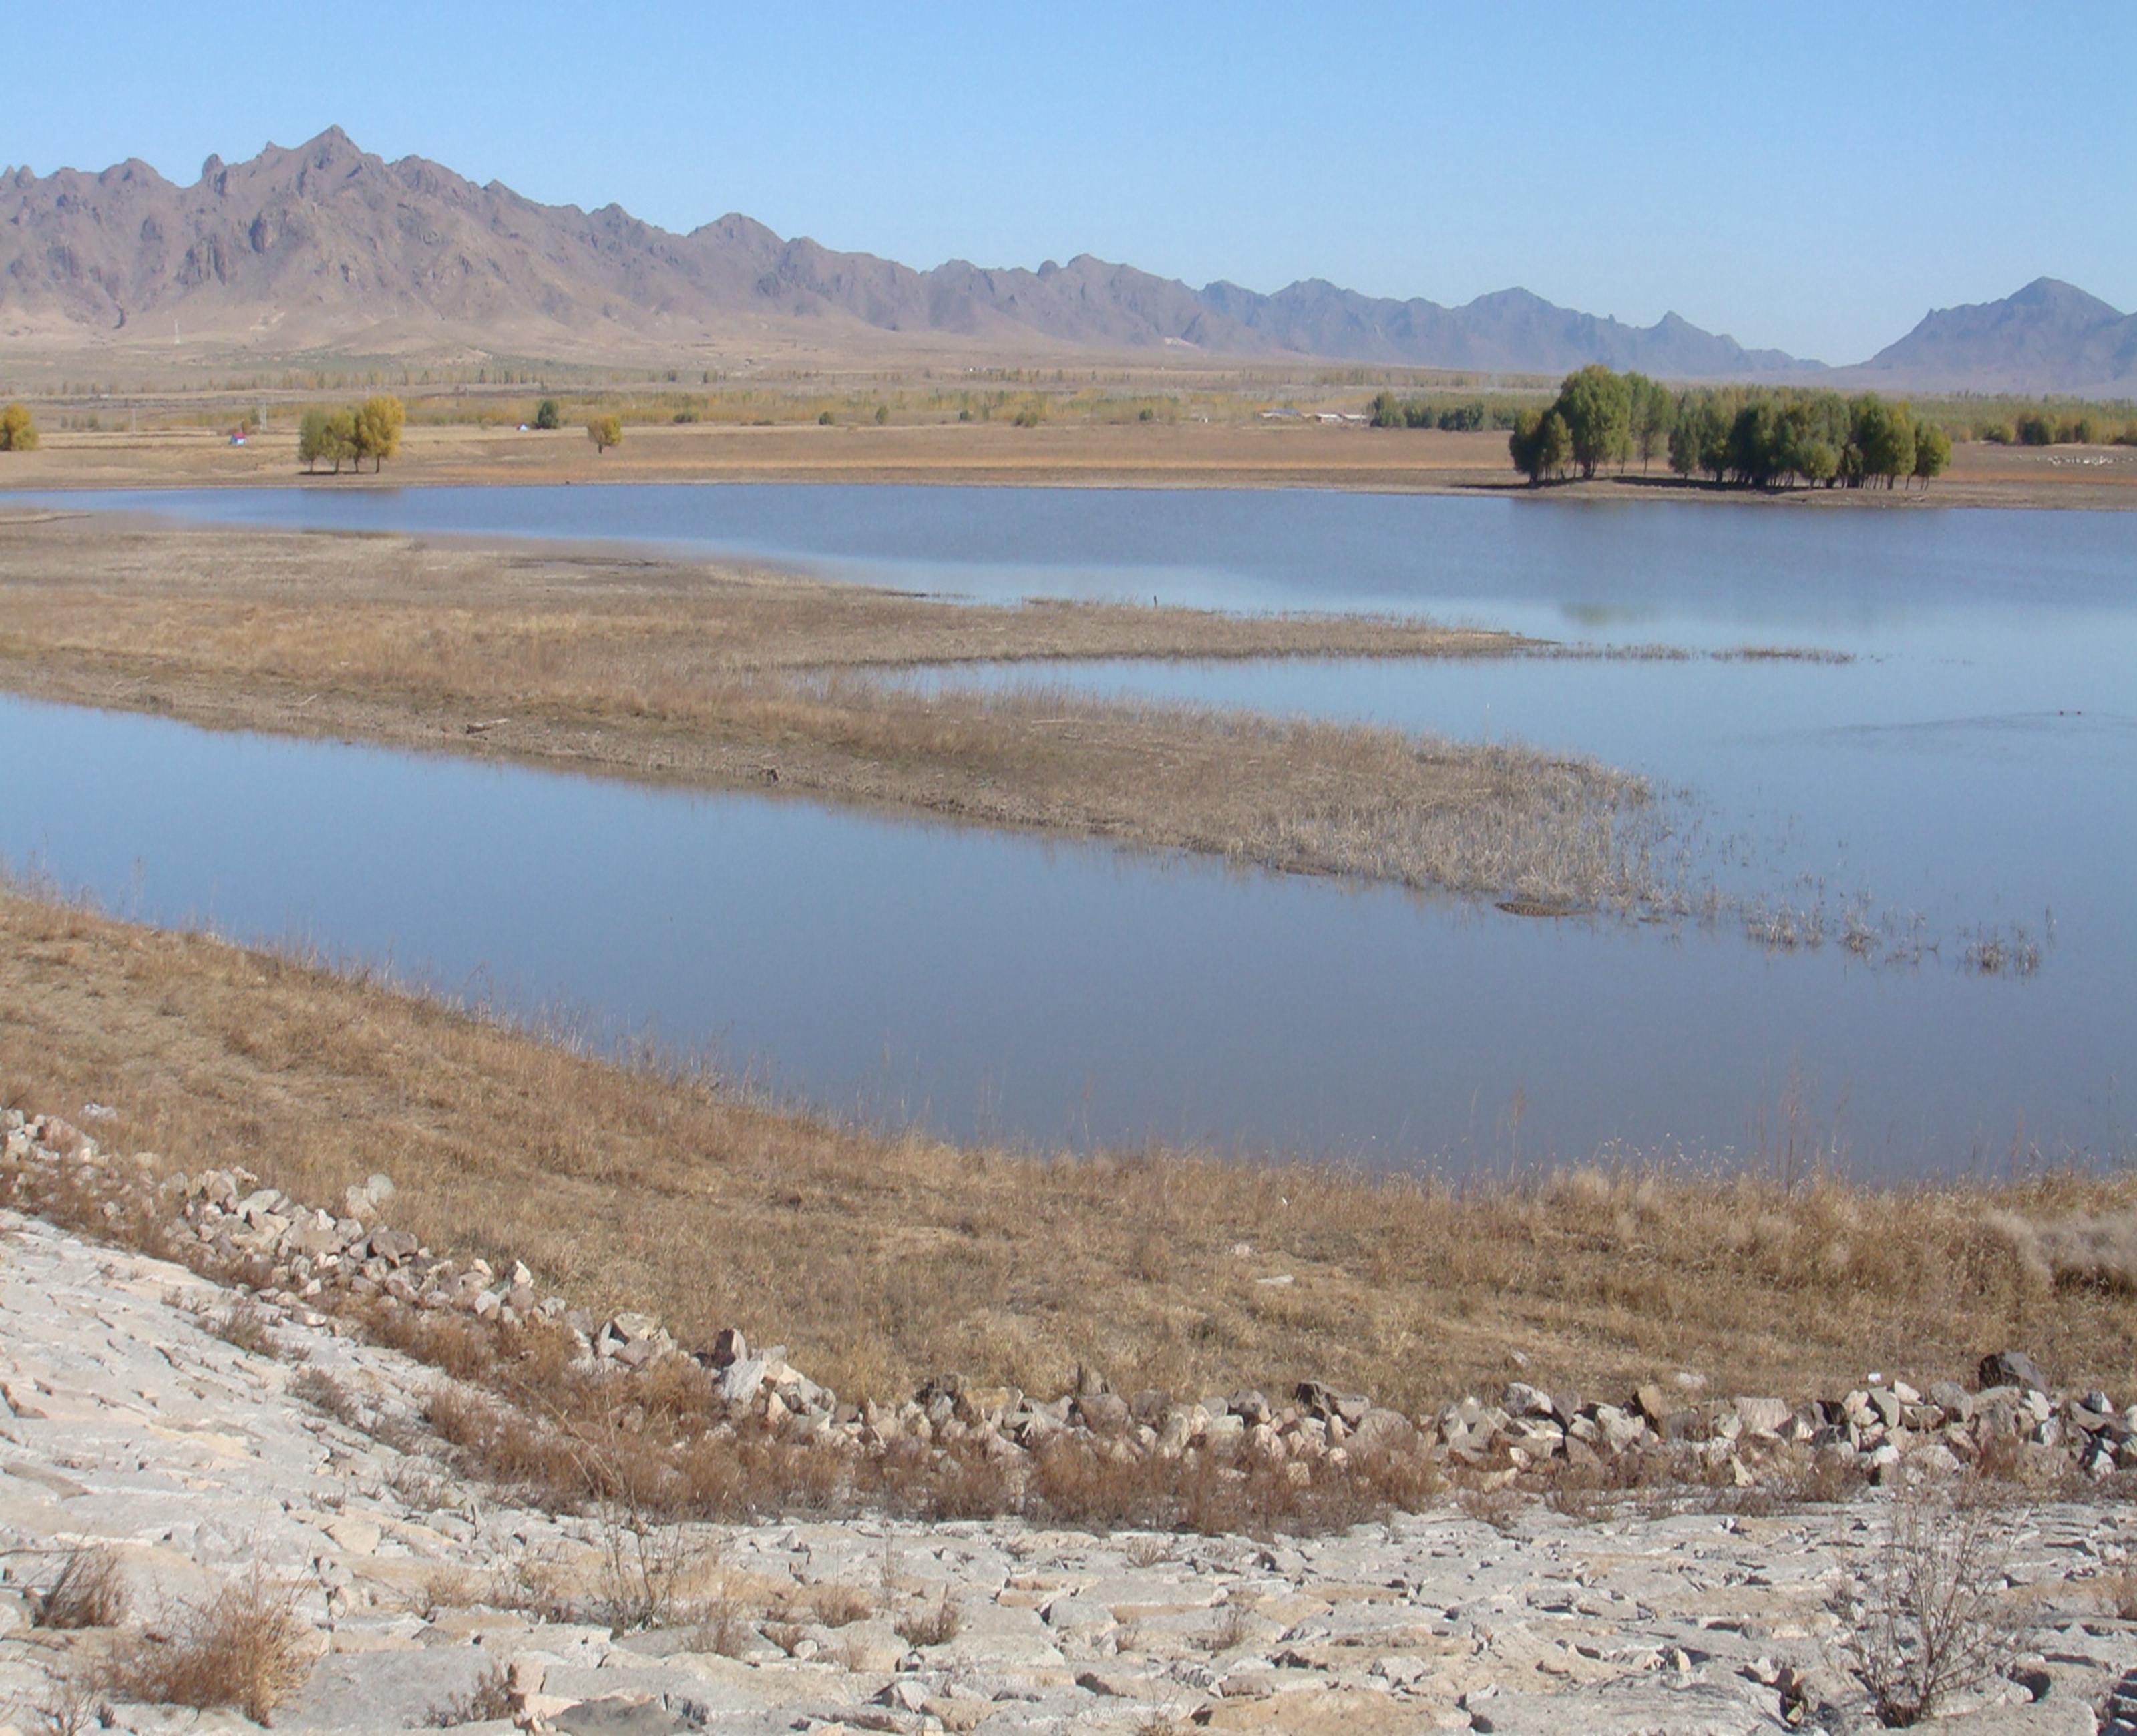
[(1395, 152)]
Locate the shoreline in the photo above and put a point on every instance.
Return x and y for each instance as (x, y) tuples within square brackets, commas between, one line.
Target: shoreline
[(1214, 456), (885, 1256)]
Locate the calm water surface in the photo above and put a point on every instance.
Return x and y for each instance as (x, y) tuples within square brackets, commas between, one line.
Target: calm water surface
[(1975, 766)]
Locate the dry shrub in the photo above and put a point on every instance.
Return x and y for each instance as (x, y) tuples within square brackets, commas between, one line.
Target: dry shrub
[(1929, 1623), (244, 1324), (322, 1392), (89, 1591), (722, 1625), (1233, 1628), (1151, 1551), (66, 1708), (246, 1647), (786, 1636), (644, 1568), (933, 1625), (840, 1606), (490, 1699)]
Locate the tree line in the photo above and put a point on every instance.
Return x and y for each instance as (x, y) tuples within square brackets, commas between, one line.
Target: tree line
[(1459, 415), (370, 430), (1746, 436)]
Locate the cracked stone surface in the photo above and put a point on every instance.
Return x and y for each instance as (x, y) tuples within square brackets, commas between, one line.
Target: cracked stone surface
[(126, 1422)]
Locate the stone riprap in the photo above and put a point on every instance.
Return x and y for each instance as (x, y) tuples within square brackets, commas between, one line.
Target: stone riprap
[(131, 1420), (128, 1423), (1315, 1437)]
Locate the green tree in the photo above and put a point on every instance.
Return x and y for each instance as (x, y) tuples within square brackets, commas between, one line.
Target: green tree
[(375, 429), (1883, 437), (1654, 415), (1596, 406), (605, 431), (1523, 446), (548, 414), (1699, 439), (312, 444), (19, 429), (1932, 452), (1554, 444)]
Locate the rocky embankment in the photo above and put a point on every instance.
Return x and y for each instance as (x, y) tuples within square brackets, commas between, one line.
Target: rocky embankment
[(190, 1435), (314, 1259)]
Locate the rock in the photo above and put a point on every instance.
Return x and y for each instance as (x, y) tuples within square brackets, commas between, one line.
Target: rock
[(2010, 1368), (739, 1381), (1521, 1399), (1765, 1417), (2045, 1718)]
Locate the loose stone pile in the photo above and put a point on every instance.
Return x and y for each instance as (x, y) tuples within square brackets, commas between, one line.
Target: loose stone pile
[(307, 1257)]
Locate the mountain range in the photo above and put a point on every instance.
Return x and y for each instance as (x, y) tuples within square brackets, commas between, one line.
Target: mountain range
[(325, 247)]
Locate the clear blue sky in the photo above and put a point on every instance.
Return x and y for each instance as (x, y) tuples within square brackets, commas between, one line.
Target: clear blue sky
[(1813, 177)]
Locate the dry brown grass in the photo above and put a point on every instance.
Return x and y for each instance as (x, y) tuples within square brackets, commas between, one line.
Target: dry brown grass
[(935, 1622), (883, 1260), (89, 1591), (723, 679), (246, 1647)]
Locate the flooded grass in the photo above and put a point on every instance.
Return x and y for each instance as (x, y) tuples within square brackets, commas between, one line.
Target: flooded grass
[(728, 679)]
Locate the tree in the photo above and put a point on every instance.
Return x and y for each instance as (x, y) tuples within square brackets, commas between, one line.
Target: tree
[(375, 429), (312, 442), (1596, 406), (1523, 446), (1654, 415), (1699, 440), (605, 431), (1883, 438), (548, 414), (1932, 451), (19, 429)]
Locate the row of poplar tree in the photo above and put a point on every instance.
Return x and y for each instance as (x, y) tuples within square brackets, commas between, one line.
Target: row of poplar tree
[(1750, 436)]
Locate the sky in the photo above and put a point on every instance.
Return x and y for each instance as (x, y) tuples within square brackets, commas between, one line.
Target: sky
[(1807, 178)]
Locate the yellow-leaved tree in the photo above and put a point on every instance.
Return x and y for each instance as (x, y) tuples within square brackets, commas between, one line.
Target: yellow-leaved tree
[(18, 430), (377, 430), (605, 431)]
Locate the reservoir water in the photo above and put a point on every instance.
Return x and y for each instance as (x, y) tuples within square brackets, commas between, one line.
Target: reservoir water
[(1974, 769)]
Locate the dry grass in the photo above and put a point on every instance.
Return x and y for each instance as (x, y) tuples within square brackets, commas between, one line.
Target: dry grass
[(243, 1326), (490, 1699), (723, 679), (247, 1647), (882, 1260), (934, 1623), (88, 1592)]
